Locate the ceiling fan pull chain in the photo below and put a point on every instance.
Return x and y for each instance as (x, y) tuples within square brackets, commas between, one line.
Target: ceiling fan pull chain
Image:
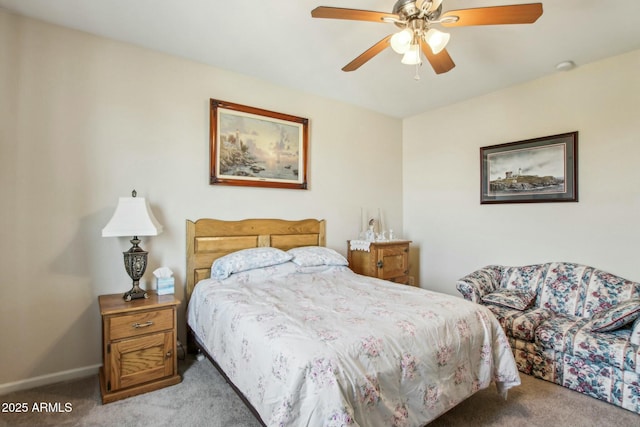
[(417, 76)]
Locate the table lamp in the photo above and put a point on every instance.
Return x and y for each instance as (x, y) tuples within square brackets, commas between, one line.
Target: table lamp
[(133, 217)]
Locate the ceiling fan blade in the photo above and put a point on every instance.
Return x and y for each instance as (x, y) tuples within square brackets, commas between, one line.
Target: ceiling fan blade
[(441, 63), (496, 15), (352, 14), (368, 54)]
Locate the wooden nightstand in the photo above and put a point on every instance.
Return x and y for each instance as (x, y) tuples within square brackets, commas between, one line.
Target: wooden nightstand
[(384, 260), (138, 345)]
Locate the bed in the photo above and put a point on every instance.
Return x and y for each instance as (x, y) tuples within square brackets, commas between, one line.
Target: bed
[(307, 342)]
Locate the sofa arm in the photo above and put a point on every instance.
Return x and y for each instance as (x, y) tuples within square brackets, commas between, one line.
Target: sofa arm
[(480, 283)]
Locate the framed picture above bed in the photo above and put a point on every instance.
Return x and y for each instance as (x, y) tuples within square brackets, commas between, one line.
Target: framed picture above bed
[(258, 148), (535, 170)]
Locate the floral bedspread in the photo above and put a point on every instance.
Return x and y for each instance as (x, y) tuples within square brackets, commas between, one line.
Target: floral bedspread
[(323, 346)]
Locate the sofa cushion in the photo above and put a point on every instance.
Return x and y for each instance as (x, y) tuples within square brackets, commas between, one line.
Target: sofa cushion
[(604, 290), (557, 332), (504, 316), (513, 298), (523, 327), (519, 324), (562, 290), (615, 317)]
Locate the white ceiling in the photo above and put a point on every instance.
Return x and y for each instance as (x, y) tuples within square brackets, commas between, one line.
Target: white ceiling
[(279, 42)]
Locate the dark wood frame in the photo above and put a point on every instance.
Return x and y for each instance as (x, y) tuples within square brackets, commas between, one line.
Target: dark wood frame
[(218, 108), (523, 188)]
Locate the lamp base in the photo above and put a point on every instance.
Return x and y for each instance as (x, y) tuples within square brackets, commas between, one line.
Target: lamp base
[(135, 262), (135, 293)]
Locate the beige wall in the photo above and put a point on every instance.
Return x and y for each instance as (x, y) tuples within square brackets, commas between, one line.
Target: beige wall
[(84, 120), (441, 170)]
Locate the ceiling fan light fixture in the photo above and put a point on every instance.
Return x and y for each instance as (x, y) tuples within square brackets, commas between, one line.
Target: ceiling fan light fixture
[(414, 19), (428, 5), (435, 4), (412, 55), (437, 40), (401, 41)]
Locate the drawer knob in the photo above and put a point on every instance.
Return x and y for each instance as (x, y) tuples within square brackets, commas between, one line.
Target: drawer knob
[(168, 355), (380, 264), (142, 325)]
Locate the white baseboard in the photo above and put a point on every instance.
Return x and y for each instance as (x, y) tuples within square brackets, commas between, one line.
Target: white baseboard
[(57, 377)]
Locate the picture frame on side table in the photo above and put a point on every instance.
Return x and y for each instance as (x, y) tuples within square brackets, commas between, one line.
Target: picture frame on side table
[(535, 170), (258, 148)]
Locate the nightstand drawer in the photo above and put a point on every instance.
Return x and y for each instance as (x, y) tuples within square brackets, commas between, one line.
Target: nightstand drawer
[(140, 323)]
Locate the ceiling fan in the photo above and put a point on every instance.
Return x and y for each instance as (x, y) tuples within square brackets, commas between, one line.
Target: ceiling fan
[(417, 19)]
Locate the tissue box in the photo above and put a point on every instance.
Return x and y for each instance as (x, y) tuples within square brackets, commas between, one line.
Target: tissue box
[(165, 285)]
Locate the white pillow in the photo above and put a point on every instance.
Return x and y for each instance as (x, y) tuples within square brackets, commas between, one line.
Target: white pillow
[(310, 256), (247, 259)]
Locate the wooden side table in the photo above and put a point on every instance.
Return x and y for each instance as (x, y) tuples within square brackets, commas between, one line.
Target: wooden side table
[(138, 345), (384, 260)]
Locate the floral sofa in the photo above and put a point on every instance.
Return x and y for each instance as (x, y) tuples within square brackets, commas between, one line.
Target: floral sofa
[(567, 323)]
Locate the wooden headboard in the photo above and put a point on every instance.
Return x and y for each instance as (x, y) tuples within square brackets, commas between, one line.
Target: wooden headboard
[(209, 239)]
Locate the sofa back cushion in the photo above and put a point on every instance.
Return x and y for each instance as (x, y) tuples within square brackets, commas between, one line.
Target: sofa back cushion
[(604, 290), (563, 290), (527, 278), (579, 290)]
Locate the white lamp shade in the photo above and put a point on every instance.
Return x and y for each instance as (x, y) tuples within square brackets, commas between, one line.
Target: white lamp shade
[(412, 55), (133, 217), (437, 40), (401, 40)]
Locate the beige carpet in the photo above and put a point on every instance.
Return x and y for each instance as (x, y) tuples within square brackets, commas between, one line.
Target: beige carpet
[(204, 399)]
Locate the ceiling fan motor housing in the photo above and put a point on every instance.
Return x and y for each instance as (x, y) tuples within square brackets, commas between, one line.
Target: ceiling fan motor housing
[(408, 11), (405, 8)]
